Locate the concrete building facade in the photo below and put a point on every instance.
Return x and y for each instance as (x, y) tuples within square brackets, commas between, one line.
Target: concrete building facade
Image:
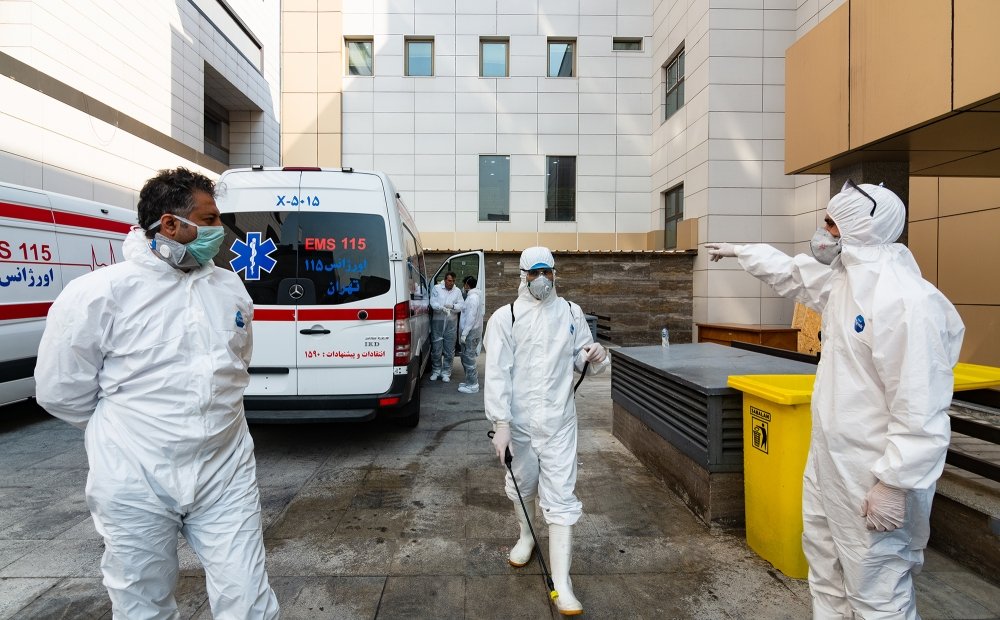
[(99, 94), (672, 114)]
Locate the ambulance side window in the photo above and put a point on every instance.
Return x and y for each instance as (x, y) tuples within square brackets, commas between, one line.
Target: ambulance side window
[(415, 278)]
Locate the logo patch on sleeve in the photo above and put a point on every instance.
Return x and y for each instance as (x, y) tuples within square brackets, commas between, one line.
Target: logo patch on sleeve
[(859, 323)]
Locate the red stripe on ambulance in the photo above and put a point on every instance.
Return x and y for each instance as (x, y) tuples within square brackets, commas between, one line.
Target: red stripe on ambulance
[(24, 311)]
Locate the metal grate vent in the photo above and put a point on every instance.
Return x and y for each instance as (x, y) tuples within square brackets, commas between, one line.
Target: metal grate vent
[(707, 428)]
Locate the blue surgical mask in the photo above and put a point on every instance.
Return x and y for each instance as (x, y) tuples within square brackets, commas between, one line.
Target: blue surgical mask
[(206, 245)]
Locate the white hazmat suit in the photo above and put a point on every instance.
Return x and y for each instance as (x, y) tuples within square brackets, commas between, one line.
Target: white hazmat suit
[(152, 362), (446, 305), (879, 407), (531, 355)]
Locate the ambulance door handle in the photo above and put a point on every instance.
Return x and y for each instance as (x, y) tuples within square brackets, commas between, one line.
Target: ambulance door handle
[(313, 330)]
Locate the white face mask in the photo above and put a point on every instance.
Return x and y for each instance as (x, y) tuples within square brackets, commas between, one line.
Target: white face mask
[(540, 288), (825, 247)]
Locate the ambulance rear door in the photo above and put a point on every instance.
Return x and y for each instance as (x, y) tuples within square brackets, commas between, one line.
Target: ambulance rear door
[(346, 261)]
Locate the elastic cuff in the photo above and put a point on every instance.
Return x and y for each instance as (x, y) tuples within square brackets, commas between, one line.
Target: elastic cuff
[(501, 424)]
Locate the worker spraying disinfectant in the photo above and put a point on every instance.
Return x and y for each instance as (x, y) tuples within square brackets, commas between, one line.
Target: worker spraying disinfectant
[(533, 347)]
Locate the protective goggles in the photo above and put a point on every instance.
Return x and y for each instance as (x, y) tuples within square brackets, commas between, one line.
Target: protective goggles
[(534, 273), (854, 185)]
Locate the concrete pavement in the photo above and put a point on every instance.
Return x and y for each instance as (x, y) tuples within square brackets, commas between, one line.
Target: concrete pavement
[(373, 521)]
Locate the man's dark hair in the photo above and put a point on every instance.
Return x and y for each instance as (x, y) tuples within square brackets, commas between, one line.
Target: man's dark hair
[(170, 191), (471, 281), (453, 275)]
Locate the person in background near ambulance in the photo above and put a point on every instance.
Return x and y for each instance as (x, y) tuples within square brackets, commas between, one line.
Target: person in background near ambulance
[(471, 334), (446, 302), (532, 348), (880, 426), (149, 357)]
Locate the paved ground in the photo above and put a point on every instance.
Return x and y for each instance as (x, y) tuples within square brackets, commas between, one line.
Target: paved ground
[(374, 521)]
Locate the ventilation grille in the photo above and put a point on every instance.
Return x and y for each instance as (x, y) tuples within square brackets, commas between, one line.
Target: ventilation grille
[(707, 428)]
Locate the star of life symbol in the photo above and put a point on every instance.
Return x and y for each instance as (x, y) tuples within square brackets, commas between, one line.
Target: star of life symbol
[(253, 256)]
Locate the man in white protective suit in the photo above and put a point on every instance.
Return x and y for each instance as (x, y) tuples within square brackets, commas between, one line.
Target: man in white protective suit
[(880, 426), (532, 348), (446, 302), (470, 330), (149, 356)]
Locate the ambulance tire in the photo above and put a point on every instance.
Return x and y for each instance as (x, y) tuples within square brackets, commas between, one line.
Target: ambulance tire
[(410, 416)]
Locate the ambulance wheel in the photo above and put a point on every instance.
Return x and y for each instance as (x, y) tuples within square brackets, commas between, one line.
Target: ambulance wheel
[(410, 416)]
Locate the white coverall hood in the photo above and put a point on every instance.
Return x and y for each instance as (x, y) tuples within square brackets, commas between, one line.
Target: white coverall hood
[(537, 257), (851, 211)]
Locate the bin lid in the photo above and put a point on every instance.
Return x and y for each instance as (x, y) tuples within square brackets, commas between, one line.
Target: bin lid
[(780, 389), (975, 377)]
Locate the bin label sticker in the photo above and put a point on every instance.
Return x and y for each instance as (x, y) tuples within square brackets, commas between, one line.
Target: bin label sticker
[(758, 432)]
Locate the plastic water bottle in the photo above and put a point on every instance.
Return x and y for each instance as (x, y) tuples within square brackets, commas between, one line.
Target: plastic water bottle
[(665, 337)]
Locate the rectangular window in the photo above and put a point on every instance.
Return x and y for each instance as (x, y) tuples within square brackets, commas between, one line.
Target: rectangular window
[(420, 56), (493, 57), (216, 130), (562, 57), (673, 86), (560, 189), (494, 188), (627, 44), (673, 208), (360, 60)]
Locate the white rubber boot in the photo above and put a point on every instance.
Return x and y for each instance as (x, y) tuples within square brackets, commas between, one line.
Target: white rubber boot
[(560, 558), (521, 552)]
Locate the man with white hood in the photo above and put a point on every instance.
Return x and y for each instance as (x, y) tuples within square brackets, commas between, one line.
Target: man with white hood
[(533, 347), (880, 426), (470, 336), (149, 357)]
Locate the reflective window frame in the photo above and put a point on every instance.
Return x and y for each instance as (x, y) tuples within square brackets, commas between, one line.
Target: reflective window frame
[(355, 51), (561, 58), (560, 188), (494, 194), (425, 68), (490, 43)]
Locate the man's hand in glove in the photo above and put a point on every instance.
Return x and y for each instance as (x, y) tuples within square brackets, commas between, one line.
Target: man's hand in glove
[(501, 438), (884, 507), (594, 353), (718, 251), (461, 339)]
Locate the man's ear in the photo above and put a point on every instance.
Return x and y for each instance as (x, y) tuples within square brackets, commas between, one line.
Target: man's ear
[(168, 225)]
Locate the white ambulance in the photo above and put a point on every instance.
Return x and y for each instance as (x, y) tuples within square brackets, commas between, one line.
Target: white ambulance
[(46, 240), (334, 264)]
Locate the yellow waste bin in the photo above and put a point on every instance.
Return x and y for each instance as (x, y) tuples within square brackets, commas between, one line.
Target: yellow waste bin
[(776, 432), (776, 428), (976, 377)]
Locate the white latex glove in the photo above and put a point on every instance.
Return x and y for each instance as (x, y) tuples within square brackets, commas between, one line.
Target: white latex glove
[(594, 353), (718, 251), (501, 439), (449, 306), (461, 338), (884, 507)]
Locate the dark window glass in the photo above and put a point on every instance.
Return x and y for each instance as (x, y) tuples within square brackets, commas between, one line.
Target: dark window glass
[(673, 86), (673, 204), (627, 45), (560, 186), (494, 188), (335, 258)]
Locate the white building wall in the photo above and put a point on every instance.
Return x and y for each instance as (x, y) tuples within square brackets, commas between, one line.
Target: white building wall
[(144, 60), (428, 132), (727, 144)]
